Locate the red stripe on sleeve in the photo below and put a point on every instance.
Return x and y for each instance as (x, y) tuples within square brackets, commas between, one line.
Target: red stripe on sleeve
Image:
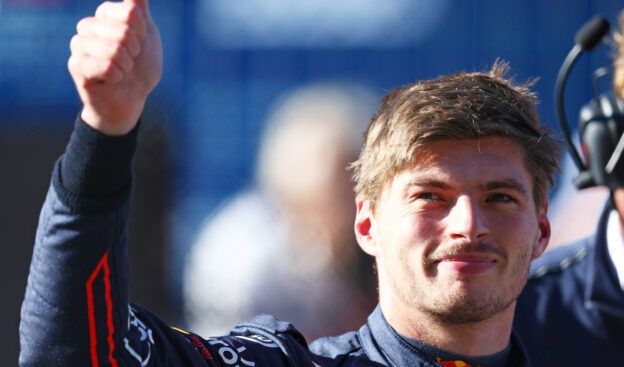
[(109, 311), (103, 264)]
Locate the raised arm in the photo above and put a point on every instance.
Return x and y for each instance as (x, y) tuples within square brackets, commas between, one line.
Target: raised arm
[(76, 311)]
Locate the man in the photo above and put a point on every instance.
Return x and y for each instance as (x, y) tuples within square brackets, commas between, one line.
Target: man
[(451, 201), (298, 241), (572, 310)]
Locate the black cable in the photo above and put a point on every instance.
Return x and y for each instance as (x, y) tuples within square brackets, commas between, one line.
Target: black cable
[(562, 78)]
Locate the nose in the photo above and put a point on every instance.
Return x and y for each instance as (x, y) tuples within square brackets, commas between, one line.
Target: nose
[(466, 220)]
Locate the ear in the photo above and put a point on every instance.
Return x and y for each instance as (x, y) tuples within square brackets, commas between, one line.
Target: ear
[(364, 226), (544, 231)]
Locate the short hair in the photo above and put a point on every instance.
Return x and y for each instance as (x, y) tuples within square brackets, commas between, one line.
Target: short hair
[(457, 106), (618, 74)]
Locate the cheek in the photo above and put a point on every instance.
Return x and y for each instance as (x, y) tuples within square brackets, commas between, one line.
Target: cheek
[(413, 237), (515, 230), (515, 223), (415, 225)]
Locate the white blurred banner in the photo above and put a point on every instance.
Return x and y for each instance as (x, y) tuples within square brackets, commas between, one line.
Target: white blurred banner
[(318, 23)]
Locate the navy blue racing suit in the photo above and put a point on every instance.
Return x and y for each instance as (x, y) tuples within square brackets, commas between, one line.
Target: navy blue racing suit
[(571, 313), (76, 310)]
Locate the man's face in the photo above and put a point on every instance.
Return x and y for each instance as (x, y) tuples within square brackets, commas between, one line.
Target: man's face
[(454, 235)]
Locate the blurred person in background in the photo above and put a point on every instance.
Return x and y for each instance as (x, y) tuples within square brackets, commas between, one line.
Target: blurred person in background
[(571, 312), (287, 243)]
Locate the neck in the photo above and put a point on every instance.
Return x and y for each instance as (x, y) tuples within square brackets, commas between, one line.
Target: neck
[(471, 339)]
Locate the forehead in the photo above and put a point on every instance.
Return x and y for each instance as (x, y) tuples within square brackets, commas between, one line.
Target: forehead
[(468, 161)]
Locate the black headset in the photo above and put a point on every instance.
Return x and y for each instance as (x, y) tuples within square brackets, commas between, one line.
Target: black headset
[(601, 121)]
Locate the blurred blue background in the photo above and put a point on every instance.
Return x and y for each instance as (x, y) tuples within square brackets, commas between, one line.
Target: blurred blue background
[(226, 62)]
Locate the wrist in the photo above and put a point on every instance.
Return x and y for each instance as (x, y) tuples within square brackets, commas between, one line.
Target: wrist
[(111, 125), (95, 173)]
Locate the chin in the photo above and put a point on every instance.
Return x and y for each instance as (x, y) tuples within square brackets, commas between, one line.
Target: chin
[(466, 307)]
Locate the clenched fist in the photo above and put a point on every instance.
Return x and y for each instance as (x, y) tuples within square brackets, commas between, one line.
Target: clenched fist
[(115, 62)]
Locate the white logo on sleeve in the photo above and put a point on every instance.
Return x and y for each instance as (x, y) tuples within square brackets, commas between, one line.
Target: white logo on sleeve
[(260, 340), (229, 355), (141, 348)]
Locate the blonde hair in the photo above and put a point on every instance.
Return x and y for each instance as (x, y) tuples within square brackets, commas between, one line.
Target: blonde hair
[(457, 106)]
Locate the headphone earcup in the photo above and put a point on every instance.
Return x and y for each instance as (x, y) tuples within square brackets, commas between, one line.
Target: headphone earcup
[(612, 111), (597, 147)]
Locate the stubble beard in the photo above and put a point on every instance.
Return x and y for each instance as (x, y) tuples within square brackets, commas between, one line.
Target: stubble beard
[(470, 303)]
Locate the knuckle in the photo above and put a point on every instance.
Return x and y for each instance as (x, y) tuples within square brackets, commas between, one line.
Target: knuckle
[(101, 9), (125, 32), (74, 43), (133, 11), (126, 13), (116, 50), (109, 69), (112, 70), (71, 63), (126, 65), (135, 17), (81, 24), (78, 68)]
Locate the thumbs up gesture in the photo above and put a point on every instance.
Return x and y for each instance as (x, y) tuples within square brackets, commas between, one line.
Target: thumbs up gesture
[(115, 62)]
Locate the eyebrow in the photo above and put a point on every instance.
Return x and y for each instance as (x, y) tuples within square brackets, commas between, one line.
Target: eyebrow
[(510, 183), (428, 182)]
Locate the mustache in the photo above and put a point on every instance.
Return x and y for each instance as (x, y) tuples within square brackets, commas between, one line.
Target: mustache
[(479, 247)]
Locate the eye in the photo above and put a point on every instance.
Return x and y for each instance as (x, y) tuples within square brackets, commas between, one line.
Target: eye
[(498, 197), (428, 196)]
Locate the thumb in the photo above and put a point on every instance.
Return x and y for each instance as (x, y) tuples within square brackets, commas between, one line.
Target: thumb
[(142, 4)]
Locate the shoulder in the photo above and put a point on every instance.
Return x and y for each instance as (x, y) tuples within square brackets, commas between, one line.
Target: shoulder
[(336, 346), (559, 273), (566, 257), (332, 350), (262, 341), (284, 337)]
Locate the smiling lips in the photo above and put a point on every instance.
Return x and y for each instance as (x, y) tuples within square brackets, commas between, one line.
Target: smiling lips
[(467, 264)]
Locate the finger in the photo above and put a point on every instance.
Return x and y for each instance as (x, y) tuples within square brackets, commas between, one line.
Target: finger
[(111, 31), (85, 70), (126, 13), (102, 49)]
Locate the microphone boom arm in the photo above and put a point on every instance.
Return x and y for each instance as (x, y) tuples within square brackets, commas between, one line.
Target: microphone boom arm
[(562, 78)]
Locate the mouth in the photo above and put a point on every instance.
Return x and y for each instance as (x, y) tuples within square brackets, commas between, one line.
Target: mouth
[(466, 264)]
